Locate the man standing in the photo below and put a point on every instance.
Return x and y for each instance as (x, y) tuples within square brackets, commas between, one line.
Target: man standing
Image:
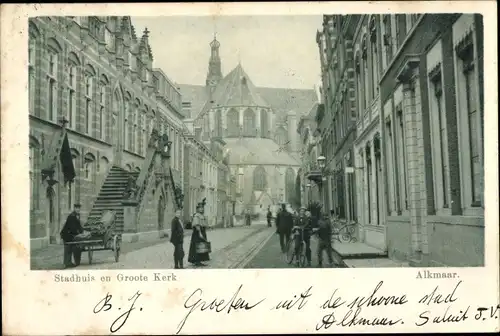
[(269, 217), (304, 222), (324, 232), (177, 239), (72, 228), (284, 223)]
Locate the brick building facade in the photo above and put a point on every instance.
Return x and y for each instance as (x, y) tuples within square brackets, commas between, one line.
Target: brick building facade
[(432, 102), (419, 158), (96, 73), (337, 125)]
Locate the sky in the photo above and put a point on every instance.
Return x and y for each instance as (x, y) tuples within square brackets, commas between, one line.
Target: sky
[(275, 51)]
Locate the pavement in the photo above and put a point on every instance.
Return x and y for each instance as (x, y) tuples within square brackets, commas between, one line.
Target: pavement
[(231, 248), (270, 256), (255, 246)]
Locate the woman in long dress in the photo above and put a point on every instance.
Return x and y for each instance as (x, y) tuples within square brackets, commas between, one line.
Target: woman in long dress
[(199, 234)]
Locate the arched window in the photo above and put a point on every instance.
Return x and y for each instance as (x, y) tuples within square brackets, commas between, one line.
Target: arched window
[(89, 162), (264, 124), (34, 157), (249, 128), (128, 168), (89, 91), (135, 132), (290, 185), (218, 123), (103, 94), (73, 63), (127, 120), (137, 169), (54, 52), (281, 136), (103, 164), (34, 34), (233, 123), (259, 179), (374, 56), (143, 127)]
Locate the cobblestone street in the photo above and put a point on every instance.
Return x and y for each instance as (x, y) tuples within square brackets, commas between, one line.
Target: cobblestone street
[(231, 247)]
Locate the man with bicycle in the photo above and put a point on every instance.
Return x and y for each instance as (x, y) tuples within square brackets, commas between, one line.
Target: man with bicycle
[(303, 231)]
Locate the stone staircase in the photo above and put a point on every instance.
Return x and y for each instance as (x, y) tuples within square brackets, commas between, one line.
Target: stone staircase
[(111, 196)]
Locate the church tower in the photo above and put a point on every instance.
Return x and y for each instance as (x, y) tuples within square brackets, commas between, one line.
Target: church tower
[(214, 66)]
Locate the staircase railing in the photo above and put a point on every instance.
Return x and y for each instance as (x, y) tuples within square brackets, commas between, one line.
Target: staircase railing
[(140, 197), (175, 192)]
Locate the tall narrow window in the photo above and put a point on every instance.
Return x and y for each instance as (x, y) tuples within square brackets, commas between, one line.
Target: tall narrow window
[(387, 39), (135, 132), (359, 88), (389, 157), (233, 123), (52, 87), (440, 135), (369, 182), (259, 179), (249, 128), (72, 96), (374, 58), (127, 121), (89, 88), (403, 192), (366, 73), (144, 126), (471, 108), (31, 73), (102, 111), (400, 29)]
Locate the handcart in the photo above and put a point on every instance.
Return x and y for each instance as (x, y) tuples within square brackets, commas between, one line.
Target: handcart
[(100, 235)]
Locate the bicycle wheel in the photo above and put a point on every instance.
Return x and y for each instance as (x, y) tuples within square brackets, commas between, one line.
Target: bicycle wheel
[(290, 252), (302, 255)]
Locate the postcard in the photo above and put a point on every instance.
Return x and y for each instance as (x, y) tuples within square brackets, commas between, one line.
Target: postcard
[(215, 168)]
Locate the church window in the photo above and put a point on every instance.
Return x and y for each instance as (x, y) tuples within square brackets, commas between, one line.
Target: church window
[(249, 128), (290, 185), (233, 123), (259, 179)]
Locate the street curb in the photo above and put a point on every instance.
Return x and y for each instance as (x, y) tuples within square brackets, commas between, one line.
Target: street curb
[(252, 253)]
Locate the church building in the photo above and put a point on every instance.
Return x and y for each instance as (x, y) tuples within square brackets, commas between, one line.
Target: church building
[(258, 129)]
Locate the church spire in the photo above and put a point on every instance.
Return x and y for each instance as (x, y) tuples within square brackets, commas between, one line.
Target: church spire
[(214, 65)]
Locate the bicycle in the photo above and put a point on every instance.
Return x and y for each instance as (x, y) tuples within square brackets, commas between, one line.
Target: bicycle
[(298, 233)]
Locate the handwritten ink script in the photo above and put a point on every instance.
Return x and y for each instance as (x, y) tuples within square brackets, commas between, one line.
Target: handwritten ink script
[(380, 306), (107, 304)]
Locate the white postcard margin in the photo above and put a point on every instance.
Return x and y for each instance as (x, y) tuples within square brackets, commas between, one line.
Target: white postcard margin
[(34, 303)]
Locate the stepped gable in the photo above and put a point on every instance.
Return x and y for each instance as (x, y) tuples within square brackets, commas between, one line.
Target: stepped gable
[(237, 89), (243, 151)]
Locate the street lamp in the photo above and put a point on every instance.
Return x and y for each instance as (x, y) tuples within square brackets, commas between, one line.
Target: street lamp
[(321, 162)]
